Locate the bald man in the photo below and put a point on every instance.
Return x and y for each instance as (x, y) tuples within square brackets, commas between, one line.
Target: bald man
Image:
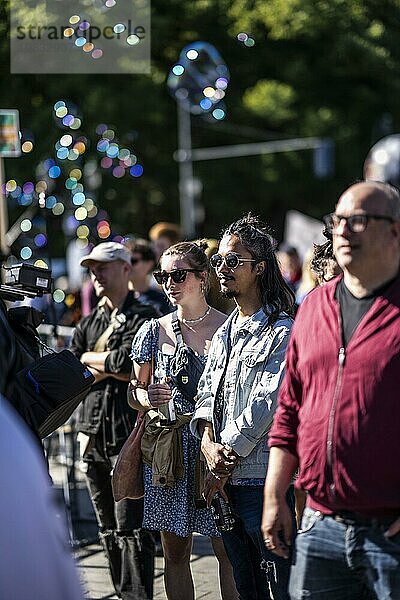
[(338, 419)]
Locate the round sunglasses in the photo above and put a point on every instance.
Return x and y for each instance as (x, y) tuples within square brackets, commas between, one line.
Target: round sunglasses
[(232, 260), (177, 275)]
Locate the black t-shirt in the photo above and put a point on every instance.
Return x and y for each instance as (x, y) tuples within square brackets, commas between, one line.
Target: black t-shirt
[(353, 309)]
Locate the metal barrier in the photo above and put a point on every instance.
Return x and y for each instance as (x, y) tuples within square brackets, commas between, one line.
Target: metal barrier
[(57, 337)]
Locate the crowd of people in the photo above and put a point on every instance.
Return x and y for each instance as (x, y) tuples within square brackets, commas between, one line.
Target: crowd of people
[(278, 437)]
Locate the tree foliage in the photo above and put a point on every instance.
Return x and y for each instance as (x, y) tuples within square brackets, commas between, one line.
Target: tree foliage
[(318, 68)]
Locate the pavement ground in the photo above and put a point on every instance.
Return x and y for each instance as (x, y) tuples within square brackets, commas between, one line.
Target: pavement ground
[(74, 502), (97, 584)]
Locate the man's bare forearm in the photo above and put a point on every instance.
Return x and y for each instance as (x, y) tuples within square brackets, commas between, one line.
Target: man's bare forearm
[(120, 376), (96, 363), (95, 359), (220, 459), (281, 468)]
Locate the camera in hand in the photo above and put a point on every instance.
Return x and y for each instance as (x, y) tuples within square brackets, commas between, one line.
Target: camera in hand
[(222, 512)]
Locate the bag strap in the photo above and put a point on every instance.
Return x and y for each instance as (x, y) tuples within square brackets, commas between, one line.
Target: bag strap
[(176, 328), (116, 321)]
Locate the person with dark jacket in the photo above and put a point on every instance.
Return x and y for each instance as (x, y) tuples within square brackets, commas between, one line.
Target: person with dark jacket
[(102, 341), (7, 349), (143, 263), (339, 414)]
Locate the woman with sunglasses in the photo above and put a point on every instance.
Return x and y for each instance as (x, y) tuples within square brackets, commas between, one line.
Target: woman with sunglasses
[(171, 509)]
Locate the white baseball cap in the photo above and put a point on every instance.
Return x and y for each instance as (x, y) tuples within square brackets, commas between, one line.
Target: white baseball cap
[(107, 252)]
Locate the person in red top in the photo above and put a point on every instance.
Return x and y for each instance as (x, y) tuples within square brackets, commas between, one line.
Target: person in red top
[(338, 418)]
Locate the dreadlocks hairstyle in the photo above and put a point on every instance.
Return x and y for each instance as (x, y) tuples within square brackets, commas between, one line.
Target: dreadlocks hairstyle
[(322, 258), (254, 234)]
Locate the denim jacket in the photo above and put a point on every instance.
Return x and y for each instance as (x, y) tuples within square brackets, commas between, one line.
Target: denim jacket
[(253, 377)]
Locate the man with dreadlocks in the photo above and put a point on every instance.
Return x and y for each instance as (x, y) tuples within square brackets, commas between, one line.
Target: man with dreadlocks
[(237, 397)]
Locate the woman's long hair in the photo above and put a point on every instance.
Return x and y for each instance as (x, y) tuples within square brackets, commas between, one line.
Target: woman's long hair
[(254, 235)]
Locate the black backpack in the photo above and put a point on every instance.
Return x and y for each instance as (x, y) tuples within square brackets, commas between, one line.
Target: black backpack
[(44, 389)]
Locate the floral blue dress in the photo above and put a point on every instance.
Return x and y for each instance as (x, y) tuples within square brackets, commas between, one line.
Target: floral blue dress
[(165, 508)]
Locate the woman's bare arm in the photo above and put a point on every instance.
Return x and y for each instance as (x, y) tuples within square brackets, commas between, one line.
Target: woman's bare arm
[(137, 388), (144, 395)]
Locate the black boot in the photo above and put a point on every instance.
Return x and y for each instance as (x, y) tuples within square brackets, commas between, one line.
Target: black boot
[(137, 568), (112, 551)]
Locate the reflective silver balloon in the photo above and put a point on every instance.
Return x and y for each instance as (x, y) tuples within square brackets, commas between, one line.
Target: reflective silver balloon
[(199, 79), (383, 161)]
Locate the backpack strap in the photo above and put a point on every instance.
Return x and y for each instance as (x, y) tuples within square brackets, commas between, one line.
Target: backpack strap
[(176, 328)]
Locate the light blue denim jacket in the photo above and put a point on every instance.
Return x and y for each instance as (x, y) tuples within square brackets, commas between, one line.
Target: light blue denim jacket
[(253, 377)]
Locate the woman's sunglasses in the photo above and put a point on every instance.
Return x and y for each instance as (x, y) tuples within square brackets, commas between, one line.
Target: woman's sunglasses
[(232, 260), (177, 275)]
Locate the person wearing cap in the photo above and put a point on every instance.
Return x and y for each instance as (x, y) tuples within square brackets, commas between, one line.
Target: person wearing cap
[(102, 342)]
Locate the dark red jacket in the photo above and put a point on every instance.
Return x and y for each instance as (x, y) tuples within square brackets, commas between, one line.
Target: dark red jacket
[(339, 411)]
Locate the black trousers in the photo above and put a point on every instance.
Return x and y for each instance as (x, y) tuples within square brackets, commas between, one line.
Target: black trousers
[(128, 547)]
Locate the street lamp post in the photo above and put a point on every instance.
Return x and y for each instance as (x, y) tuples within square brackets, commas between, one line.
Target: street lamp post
[(197, 82), (186, 186)]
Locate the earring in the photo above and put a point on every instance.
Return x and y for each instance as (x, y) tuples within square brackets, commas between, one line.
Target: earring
[(202, 288), (260, 269)]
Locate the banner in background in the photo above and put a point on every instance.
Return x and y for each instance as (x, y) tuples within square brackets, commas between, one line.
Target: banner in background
[(302, 231)]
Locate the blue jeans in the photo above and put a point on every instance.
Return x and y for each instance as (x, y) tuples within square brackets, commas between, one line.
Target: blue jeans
[(246, 550), (344, 561)]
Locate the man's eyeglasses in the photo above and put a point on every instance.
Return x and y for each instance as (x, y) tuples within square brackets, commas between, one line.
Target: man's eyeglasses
[(177, 275), (232, 260), (355, 223)]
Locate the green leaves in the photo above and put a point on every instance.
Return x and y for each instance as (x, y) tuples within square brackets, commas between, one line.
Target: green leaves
[(271, 100), (318, 68)]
